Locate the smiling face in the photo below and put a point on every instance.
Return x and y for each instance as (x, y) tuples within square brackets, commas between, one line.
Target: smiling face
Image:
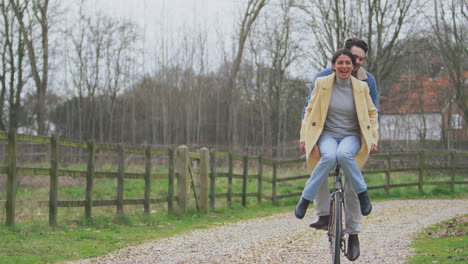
[(343, 66), (359, 55)]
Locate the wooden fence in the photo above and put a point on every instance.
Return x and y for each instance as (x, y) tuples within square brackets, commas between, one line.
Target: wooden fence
[(196, 171)]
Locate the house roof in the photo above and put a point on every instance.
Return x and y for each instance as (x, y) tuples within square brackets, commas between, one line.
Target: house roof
[(418, 94)]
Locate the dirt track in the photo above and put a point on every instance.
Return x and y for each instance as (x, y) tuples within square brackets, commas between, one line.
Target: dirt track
[(284, 239)]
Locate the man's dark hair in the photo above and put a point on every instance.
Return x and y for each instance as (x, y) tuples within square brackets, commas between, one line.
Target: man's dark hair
[(343, 52), (356, 42)]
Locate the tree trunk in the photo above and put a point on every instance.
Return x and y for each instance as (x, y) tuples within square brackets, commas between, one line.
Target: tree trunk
[(40, 80)]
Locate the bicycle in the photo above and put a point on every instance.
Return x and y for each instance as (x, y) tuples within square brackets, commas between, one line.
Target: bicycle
[(335, 225)]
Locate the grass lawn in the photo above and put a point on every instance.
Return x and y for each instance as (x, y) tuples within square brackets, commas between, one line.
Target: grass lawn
[(36, 242), (446, 242)]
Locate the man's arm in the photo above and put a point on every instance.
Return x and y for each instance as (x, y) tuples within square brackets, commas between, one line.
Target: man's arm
[(324, 72), (374, 93)]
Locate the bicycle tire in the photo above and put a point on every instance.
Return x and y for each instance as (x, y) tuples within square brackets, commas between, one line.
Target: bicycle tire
[(335, 228)]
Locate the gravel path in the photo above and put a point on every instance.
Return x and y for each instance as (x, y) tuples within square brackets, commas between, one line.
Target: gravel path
[(284, 239)]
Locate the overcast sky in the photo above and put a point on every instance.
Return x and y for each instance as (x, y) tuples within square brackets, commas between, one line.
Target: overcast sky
[(172, 19), (175, 9), (150, 14)]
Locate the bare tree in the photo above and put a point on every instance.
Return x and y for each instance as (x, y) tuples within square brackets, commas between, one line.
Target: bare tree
[(119, 39), (12, 77), (100, 61), (250, 15), (256, 93), (86, 35), (330, 24), (379, 22), (200, 94), (385, 21), (38, 56), (77, 64), (96, 34), (281, 48), (450, 28)]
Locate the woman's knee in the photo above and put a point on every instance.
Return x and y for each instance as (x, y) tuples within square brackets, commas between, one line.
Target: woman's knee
[(344, 156), (328, 159)]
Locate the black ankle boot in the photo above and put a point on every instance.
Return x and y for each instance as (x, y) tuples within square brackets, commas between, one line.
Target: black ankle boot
[(301, 208), (364, 201), (321, 223), (353, 248)]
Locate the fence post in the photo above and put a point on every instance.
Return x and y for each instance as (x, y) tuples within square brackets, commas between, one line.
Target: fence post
[(273, 183), (259, 180), (453, 163), (11, 179), (120, 180), (53, 181), (421, 171), (244, 180), (387, 173), (170, 191), (229, 192), (147, 179), (203, 180), (89, 180), (183, 178), (212, 179)]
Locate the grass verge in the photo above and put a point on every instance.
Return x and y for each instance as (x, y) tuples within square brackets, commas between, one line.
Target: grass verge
[(446, 242), (36, 242)]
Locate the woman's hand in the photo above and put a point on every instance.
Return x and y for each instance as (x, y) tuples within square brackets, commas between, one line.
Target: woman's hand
[(302, 147), (373, 149)]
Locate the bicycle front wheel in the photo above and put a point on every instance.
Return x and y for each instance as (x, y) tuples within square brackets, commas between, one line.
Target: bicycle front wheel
[(335, 228)]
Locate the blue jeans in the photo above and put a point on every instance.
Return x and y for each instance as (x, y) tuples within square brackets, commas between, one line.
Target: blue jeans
[(333, 151)]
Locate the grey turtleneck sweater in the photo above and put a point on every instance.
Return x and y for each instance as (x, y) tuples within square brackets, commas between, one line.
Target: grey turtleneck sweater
[(341, 117)]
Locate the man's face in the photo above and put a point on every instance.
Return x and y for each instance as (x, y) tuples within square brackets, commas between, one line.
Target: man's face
[(359, 55)]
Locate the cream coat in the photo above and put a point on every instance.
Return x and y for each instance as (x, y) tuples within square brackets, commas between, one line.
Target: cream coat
[(316, 114)]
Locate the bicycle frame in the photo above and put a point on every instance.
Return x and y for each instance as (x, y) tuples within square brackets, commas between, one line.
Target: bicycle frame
[(335, 227)]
